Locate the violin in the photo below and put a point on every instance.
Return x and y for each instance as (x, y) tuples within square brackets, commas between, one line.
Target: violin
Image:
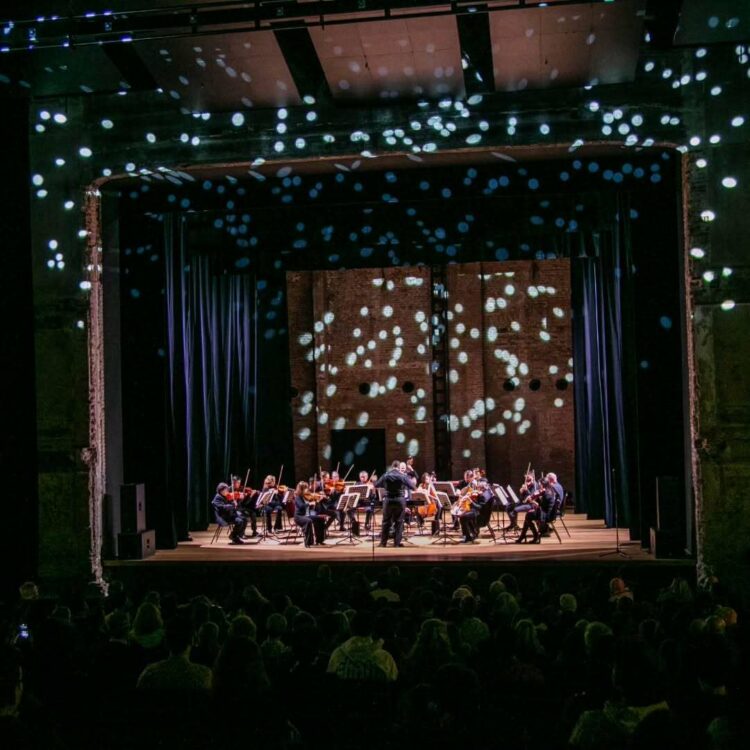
[(313, 497), (338, 485)]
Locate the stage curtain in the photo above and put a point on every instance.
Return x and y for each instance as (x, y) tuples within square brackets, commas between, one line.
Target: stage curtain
[(605, 386), (212, 373)]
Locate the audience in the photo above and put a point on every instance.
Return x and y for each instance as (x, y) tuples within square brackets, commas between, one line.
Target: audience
[(342, 660)]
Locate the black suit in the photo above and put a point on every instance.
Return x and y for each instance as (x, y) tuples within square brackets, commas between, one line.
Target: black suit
[(397, 487), (228, 512)]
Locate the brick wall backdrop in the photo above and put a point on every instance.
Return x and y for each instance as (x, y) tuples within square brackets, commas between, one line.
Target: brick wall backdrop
[(508, 322)]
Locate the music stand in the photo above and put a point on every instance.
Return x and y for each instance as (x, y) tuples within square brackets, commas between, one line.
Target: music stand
[(420, 498), (264, 499), (348, 501), (445, 504), (504, 505), (447, 487)]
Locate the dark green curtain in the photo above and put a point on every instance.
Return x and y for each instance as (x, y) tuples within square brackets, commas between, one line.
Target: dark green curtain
[(605, 386)]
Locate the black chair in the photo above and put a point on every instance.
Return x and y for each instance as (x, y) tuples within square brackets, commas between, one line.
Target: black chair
[(484, 518), (221, 524)]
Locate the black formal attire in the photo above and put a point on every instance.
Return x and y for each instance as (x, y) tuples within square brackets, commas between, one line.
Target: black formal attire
[(247, 506), (307, 519), (231, 514), (397, 487), (372, 503), (275, 504), (524, 506)]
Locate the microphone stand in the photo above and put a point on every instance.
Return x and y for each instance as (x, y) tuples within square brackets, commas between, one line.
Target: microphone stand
[(617, 550)]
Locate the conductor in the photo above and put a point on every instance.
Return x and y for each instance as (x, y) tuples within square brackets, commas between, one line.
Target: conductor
[(397, 484)]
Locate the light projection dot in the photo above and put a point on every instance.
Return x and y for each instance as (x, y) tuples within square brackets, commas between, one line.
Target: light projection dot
[(368, 365), (708, 215), (697, 252), (515, 326), (708, 276), (453, 376), (463, 357), (85, 152), (37, 180), (319, 327), (701, 163), (60, 118), (510, 290), (371, 344), (364, 311), (357, 332), (729, 182), (400, 437), (728, 304), (544, 335), (363, 419), (387, 311)]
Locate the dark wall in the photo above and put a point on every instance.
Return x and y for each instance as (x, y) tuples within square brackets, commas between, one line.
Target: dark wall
[(18, 459)]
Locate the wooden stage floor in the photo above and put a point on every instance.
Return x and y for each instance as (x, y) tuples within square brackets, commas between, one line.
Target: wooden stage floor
[(589, 541)]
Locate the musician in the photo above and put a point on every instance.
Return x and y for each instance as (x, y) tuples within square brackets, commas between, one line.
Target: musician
[(555, 500), (371, 501), (433, 509), (327, 507), (397, 484), (542, 501), (245, 498), (528, 489), (228, 511), (469, 502), (274, 504), (306, 517)]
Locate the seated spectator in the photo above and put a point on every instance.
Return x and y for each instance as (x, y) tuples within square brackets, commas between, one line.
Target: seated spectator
[(147, 633), (361, 657), (206, 649), (176, 672)]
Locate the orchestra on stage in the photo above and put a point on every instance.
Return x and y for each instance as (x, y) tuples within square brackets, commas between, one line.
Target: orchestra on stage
[(396, 505)]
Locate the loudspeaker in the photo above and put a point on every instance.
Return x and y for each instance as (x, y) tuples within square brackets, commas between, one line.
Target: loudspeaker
[(666, 544), (670, 504), (132, 508), (136, 546)]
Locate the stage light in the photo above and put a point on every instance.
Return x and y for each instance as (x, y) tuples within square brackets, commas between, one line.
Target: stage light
[(716, 90)]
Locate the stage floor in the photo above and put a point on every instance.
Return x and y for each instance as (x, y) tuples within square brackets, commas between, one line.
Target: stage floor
[(589, 541)]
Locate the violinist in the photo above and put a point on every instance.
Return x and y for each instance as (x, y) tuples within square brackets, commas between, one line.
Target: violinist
[(226, 509), (526, 492), (327, 506), (245, 498), (371, 501), (275, 503), (305, 514), (466, 508), (539, 503)]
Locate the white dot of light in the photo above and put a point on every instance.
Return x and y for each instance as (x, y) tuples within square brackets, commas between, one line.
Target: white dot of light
[(363, 311), (474, 333), (80, 324), (716, 90), (463, 358), (544, 336), (553, 369), (60, 118), (515, 326), (363, 419), (728, 304), (738, 121), (50, 263), (68, 205), (37, 180), (368, 365), (339, 424), (701, 163), (84, 285), (459, 308), (382, 335), (387, 311), (371, 344), (523, 368), (510, 289), (729, 182), (697, 252), (695, 140), (357, 332), (85, 152), (714, 139), (305, 409), (517, 417), (107, 124), (59, 162), (707, 215), (454, 343), (476, 434), (569, 377), (558, 402), (453, 376), (330, 390), (52, 244), (708, 276), (319, 327), (726, 272)]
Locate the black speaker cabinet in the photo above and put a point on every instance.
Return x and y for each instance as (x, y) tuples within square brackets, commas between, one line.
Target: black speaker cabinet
[(132, 508), (666, 544), (136, 546)]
